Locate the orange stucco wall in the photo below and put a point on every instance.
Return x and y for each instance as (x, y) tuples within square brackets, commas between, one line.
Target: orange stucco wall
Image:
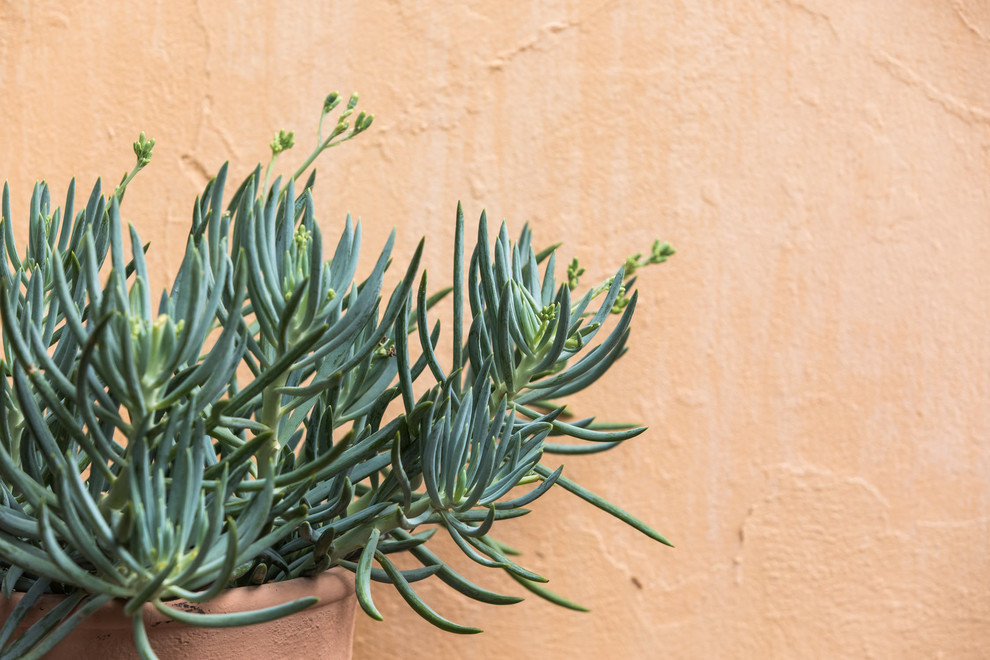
[(814, 364)]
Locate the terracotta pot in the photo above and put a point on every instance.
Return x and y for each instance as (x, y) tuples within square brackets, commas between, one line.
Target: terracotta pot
[(324, 630)]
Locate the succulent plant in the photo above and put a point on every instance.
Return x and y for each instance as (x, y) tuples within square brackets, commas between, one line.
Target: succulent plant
[(273, 417)]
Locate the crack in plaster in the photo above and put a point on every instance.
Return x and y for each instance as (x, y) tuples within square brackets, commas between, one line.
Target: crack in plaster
[(776, 489), (193, 167), (967, 21), (206, 114), (469, 88), (200, 22), (544, 33), (817, 15), (530, 44), (950, 103)]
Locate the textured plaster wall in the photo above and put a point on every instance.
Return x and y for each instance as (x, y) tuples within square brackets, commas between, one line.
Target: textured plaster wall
[(814, 364)]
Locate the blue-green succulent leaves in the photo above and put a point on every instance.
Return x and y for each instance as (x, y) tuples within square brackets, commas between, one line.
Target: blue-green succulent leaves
[(270, 415)]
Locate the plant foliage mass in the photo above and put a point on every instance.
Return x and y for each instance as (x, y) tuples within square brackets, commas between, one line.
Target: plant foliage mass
[(269, 416)]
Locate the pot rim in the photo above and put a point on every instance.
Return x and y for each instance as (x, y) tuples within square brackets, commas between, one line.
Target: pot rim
[(330, 586)]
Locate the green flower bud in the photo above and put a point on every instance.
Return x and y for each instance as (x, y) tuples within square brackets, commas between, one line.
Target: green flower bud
[(142, 149), (660, 252), (137, 327), (574, 272), (632, 264), (385, 349), (620, 301), (302, 238), (283, 141), (359, 123)]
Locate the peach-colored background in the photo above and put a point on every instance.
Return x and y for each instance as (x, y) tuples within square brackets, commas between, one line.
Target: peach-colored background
[(814, 364)]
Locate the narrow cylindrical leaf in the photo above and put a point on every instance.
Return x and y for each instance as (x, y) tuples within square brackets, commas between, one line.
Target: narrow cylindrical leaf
[(235, 619), (362, 576), (414, 601), (605, 505)]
